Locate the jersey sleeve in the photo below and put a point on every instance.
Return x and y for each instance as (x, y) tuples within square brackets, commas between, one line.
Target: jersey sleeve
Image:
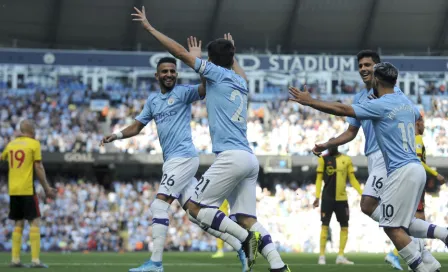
[(353, 122), (37, 156), (370, 110), (320, 165), (145, 115), (211, 72), (191, 94)]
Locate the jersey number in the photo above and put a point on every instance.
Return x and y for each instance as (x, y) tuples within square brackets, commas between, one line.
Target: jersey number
[(198, 187), (16, 155), (236, 117), (168, 181), (407, 134)]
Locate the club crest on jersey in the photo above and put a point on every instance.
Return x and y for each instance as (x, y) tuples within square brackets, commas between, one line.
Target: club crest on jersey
[(171, 101)]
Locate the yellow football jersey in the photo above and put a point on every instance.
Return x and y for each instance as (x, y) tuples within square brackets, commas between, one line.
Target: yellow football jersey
[(21, 153)]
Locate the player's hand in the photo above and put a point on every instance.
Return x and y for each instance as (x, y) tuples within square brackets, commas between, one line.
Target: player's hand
[(108, 139), (51, 192), (316, 203), (229, 38), (194, 47), (141, 17), (441, 178), (301, 97), (319, 148)]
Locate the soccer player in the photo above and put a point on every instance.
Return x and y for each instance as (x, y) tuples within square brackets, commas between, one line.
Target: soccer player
[(421, 153), (376, 165), (23, 154), (233, 175), (171, 110), (393, 117), (334, 169), (219, 242)]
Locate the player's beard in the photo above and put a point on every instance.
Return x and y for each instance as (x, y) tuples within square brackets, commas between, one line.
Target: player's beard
[(170, 86)]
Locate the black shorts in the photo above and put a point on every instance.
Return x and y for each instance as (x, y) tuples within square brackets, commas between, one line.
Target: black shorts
[(23, 208), (340, 208)]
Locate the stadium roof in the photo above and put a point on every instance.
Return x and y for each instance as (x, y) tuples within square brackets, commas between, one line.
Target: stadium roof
[(303, 26)]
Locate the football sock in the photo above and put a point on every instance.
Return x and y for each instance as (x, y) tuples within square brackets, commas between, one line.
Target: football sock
[(35, 244), (343, 240), (220, 245), (411, 255), (160, 223), (267, 248), (422, 229), (232, 241), (16, 244), (217, 220), (323, 239)]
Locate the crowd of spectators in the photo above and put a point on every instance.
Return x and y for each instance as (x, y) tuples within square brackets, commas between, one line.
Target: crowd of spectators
[(66, 123), (85, 217)]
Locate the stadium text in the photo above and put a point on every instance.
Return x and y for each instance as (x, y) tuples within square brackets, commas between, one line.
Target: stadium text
[(78, 157)]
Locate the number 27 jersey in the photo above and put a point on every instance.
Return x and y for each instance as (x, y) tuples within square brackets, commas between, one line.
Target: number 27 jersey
[(226, 102)]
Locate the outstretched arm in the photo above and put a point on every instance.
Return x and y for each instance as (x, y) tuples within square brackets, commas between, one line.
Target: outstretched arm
[(345, 137), (236, 66), (170, 45), (336, 108)]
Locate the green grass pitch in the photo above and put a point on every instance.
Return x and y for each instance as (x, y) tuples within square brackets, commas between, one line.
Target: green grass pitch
[(193, 262)]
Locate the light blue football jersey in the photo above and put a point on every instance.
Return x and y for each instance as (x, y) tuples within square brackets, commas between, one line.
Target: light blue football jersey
[(371, 145), (226, 107), (172, 113), (393, 119)]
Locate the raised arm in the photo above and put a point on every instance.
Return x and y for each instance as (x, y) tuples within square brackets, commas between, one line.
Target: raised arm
[(236, 66), (194, 47), (335, 108), (170, 45)]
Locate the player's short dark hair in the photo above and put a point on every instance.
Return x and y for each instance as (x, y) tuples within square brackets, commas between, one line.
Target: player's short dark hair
[(386, 72), (369, 54), (166, 60), (221, 52)]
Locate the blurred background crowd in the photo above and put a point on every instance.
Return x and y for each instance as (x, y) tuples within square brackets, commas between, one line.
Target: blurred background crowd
[(66, 122)]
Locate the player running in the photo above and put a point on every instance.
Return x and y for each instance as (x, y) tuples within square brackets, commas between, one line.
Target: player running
[(233, 175), (334, 169), (171, 110), (393, 117), (23, 154), (376, 166)]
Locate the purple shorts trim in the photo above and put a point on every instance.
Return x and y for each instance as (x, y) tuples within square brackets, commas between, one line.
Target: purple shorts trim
[(245, 214)]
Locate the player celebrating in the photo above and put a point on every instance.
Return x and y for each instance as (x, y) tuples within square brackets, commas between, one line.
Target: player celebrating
[(393, 117), (333, 169), (233, 175), (421, 153), (171, 110), (23, 154), (376, 165)]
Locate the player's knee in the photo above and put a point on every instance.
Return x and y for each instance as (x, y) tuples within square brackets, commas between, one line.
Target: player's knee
[(420, 215), (394, 233), (35, 222), (245, 221), (19, 224), (368, 205), (165, 198), (193, 208), (159, 208)]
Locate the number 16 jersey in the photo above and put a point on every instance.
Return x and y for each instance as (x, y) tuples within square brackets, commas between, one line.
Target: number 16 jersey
[(226, 102)]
